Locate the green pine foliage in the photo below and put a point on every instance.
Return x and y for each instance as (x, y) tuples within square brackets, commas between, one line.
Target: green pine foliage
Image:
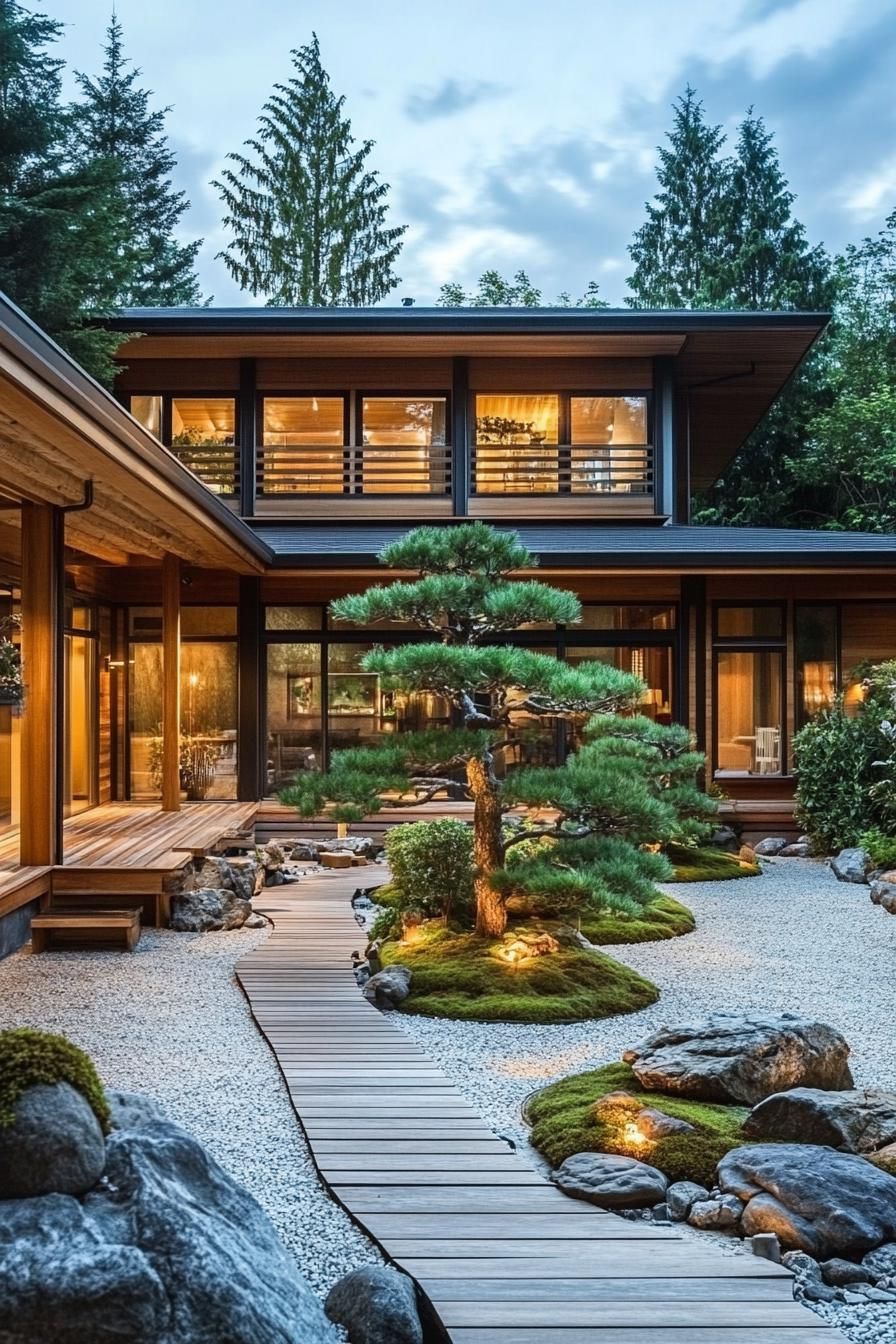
[(565, 1120), (631, 784), (29, 1057), (494, 291), (306, 215), (113, 123), (431, 863)]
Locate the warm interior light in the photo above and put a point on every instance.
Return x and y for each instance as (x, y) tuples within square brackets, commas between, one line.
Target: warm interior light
[(633, 1134)]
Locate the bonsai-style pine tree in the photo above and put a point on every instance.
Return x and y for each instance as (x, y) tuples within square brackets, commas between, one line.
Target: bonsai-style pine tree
[(625, 788), (308, 218)]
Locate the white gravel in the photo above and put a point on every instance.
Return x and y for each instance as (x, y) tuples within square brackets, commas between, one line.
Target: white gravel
[(794, 939), (171, 1021)]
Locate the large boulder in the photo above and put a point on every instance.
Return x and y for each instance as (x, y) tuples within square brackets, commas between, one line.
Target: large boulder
[(770, 846), (611, 1182), (681, 1198), (884, 894), (857, 1120), (132, 1110), (851, 865), (813, 1198), (376, 1305), (388, 988), (721, 1214), (54, 1145), (217, 873), (166, 1250), (741, 1057), (205, 910)]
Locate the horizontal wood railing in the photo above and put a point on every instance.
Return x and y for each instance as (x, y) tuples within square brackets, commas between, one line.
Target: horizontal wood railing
[(321, 470), (216, 465), (562, 469)]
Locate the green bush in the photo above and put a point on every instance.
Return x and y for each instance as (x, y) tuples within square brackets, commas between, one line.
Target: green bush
[(565, 1119), (880, 846), (432, 867), (834, 756), (28, 1057)]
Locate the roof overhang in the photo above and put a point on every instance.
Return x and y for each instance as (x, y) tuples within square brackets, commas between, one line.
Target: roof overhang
[(59, 428)]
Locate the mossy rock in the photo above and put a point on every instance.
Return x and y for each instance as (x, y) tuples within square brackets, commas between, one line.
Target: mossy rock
[(707, 865), (463, 976), (564, 1121), (663, 918), (28, 1057)]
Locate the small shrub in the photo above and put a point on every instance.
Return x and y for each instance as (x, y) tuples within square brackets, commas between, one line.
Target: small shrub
[(28, 1057), (835, 756), (432, 867), (880, 846)]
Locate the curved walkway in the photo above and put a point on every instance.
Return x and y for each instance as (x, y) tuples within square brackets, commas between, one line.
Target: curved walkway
[(501, 1254)]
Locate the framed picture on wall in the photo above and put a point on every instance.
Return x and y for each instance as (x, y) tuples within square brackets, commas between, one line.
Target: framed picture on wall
[(354, 692), (299, 695)]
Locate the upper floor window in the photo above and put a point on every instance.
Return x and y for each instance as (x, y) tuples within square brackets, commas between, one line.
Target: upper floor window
[(200, 430), (610, 452), (302, 446), (516, 438), (401, 440)]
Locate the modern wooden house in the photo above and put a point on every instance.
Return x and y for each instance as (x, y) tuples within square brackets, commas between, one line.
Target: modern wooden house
[(172, 549)]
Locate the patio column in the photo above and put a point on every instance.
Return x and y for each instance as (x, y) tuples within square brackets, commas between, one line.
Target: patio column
[(42, 728), (170, 683)]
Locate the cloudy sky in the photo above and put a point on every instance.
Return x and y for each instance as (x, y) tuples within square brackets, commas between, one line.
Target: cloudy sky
[(524, 133)]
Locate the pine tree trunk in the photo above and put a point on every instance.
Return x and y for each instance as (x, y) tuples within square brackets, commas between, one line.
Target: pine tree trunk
[(491, 916)]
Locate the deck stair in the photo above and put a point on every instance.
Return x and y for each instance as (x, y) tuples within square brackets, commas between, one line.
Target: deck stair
[(500, 1254)]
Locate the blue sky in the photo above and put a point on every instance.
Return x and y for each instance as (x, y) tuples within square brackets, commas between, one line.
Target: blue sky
[(519, 133)]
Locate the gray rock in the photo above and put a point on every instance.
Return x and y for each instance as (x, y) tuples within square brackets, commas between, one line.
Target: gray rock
[(827, 1203), (851, 865), (867, 1293), (54, 1145), (197, 911), (655, 1124), (376, 1305), (772, 845), (681, 1198), (723, 837), (133, 1110), (166, 1250), (305, 851), (884, 895), (801, 1264), (255, 921), (767, 1246), (839, 1272), (881, 1262), (611, 1182), (388, 988), (235, 909), (816, 1290), (716, 1215), (741, 1057), (219, 874), (800, 849), (857, 1120)]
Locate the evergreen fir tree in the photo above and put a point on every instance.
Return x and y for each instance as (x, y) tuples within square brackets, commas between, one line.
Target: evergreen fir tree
[(114, 123), (61, 239), (626, 787), (675, 249), (493, 291), (308, 218)]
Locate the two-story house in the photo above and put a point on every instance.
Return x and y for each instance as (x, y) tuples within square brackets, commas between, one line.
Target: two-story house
[(178, 544)]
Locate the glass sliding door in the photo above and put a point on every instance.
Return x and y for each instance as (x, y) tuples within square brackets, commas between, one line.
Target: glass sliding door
[(79, 778), (749, 711), (294, 698)]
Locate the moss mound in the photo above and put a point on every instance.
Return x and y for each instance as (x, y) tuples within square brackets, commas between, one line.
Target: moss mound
[(707, 865), (564, 1121), (663, 918), (463, 976), (28, 1057)]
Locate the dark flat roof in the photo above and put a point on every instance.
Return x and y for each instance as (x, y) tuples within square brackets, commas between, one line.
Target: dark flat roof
[(434, 321), (343, 545)]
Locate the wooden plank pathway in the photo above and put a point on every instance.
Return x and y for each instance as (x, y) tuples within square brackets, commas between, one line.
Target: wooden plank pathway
[(501, 1254)]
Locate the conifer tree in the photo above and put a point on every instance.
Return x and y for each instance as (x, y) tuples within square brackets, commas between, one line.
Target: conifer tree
[(62, 256), (114, 123), (623, 789), (675, 249), (493, 291), (307, 216)]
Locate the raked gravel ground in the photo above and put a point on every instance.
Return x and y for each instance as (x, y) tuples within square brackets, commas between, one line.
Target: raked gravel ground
[(795, 939), (172, 1022)]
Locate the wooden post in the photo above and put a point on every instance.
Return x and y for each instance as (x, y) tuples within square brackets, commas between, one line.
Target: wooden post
[(42, 729), (170, 683)]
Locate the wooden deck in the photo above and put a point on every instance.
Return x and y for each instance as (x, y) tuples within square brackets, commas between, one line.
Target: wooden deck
[(502, 1256)]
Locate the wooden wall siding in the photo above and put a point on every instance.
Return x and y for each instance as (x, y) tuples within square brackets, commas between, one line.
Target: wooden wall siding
[(369, 375), (179, 375), (104, 723), (412, 346), (141, 585), (314, 586), (549, 374), (868, 634), (561, 506), (841, 586), (413, 508)]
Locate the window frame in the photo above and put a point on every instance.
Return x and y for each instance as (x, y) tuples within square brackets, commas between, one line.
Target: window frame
[(776, 644), (192, 394)]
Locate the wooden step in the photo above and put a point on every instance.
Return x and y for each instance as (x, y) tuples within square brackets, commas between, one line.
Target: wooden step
[(81, 926)]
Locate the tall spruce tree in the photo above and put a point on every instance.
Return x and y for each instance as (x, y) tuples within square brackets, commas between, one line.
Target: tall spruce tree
[(113, 123), (62, 255), (307, 217), (675, 249)]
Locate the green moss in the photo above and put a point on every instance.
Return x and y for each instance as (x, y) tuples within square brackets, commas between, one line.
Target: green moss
[(708, 865), (462, 976), (565, 1120), (663, 918), (28, 1057)]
